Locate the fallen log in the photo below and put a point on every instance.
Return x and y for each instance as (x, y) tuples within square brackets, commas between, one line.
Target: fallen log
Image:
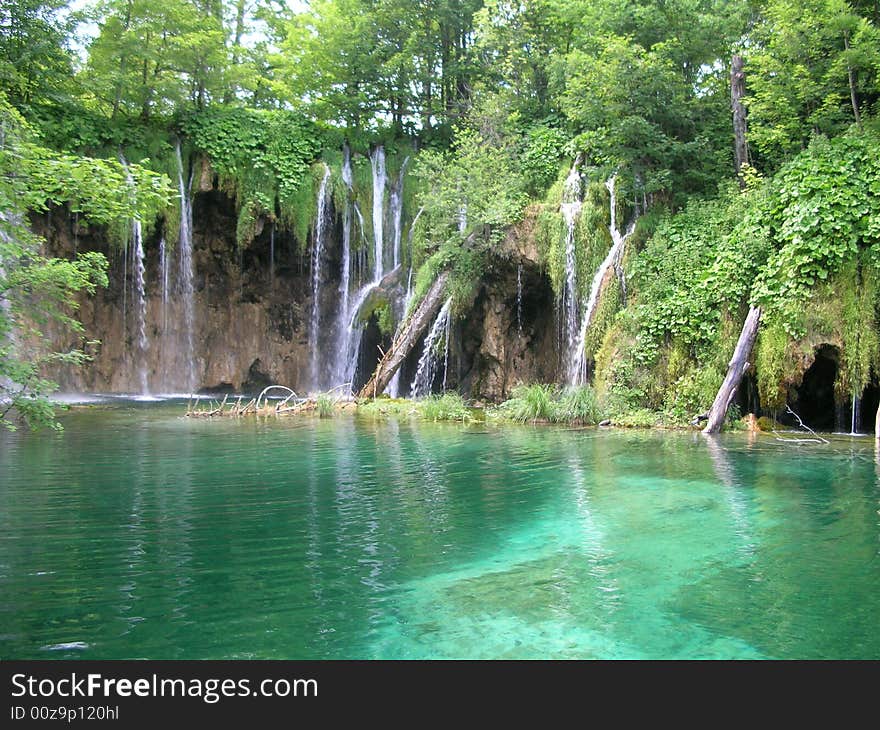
[(406, 337), (735, 371)]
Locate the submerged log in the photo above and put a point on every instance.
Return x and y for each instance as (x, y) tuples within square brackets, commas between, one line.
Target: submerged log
[(735, 371), (405, 339)]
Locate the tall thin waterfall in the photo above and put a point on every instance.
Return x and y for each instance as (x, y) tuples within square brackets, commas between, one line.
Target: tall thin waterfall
[(345, 274), (136, 244), (855, 414), (318, 246), (140, 303), (396, 204), (577, 366), (519, 292), (571, 209), (380, 178), (163, 273), (427, 368), (339, 361), (185, 273)]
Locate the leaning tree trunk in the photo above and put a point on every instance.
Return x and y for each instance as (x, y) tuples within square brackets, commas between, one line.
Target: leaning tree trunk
[(737, 91), (406, 338), (735, 371)]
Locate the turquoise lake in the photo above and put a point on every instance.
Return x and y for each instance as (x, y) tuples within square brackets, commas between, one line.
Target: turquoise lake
[(136, 533)]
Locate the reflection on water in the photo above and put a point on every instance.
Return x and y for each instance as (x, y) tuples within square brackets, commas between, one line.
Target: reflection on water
[(137, 533)]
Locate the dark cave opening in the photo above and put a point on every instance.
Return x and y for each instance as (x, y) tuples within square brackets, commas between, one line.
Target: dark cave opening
[(815, 395)]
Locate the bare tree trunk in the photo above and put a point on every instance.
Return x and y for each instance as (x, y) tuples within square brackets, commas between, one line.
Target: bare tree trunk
[(852, 83), (735, 371), (405, 339), (737, 91)]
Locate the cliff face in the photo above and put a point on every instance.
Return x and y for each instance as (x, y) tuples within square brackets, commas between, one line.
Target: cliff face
[(251, 316)]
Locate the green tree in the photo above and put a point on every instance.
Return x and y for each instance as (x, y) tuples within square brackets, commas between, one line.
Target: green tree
[(813, 70), (34, 60), (154, 57)]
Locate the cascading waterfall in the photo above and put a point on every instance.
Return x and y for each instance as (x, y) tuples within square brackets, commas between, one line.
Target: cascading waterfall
[(571, 210), (350, 337), (185, 273), (317, 254), (426, 371), (380, 178), (136, 243), (855, 414), (577, 366)]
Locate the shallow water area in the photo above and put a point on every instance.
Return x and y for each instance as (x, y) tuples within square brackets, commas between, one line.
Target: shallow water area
[(136, 532)]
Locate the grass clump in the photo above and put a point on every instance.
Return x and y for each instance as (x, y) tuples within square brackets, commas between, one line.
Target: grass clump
[(445, 407), (578, 405), (531, 404), (325, 405), (539, 403)]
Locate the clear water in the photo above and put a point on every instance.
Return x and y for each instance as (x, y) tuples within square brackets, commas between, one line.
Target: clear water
[(137, 533)]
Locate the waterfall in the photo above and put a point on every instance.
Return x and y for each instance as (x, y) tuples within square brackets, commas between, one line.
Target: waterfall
[(577, 366), (343, 334), (377, 162), (462, 219), (185, 273), (345, 274), (426, 371), (349, 355), (571, 210), (855, 414), (140, 303), (519, 270), (396, 204), (163, 274), (136, 243), (317, 254)]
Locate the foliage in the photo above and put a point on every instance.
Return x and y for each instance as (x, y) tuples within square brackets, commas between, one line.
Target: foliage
[(263, 157), (823, 211)]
